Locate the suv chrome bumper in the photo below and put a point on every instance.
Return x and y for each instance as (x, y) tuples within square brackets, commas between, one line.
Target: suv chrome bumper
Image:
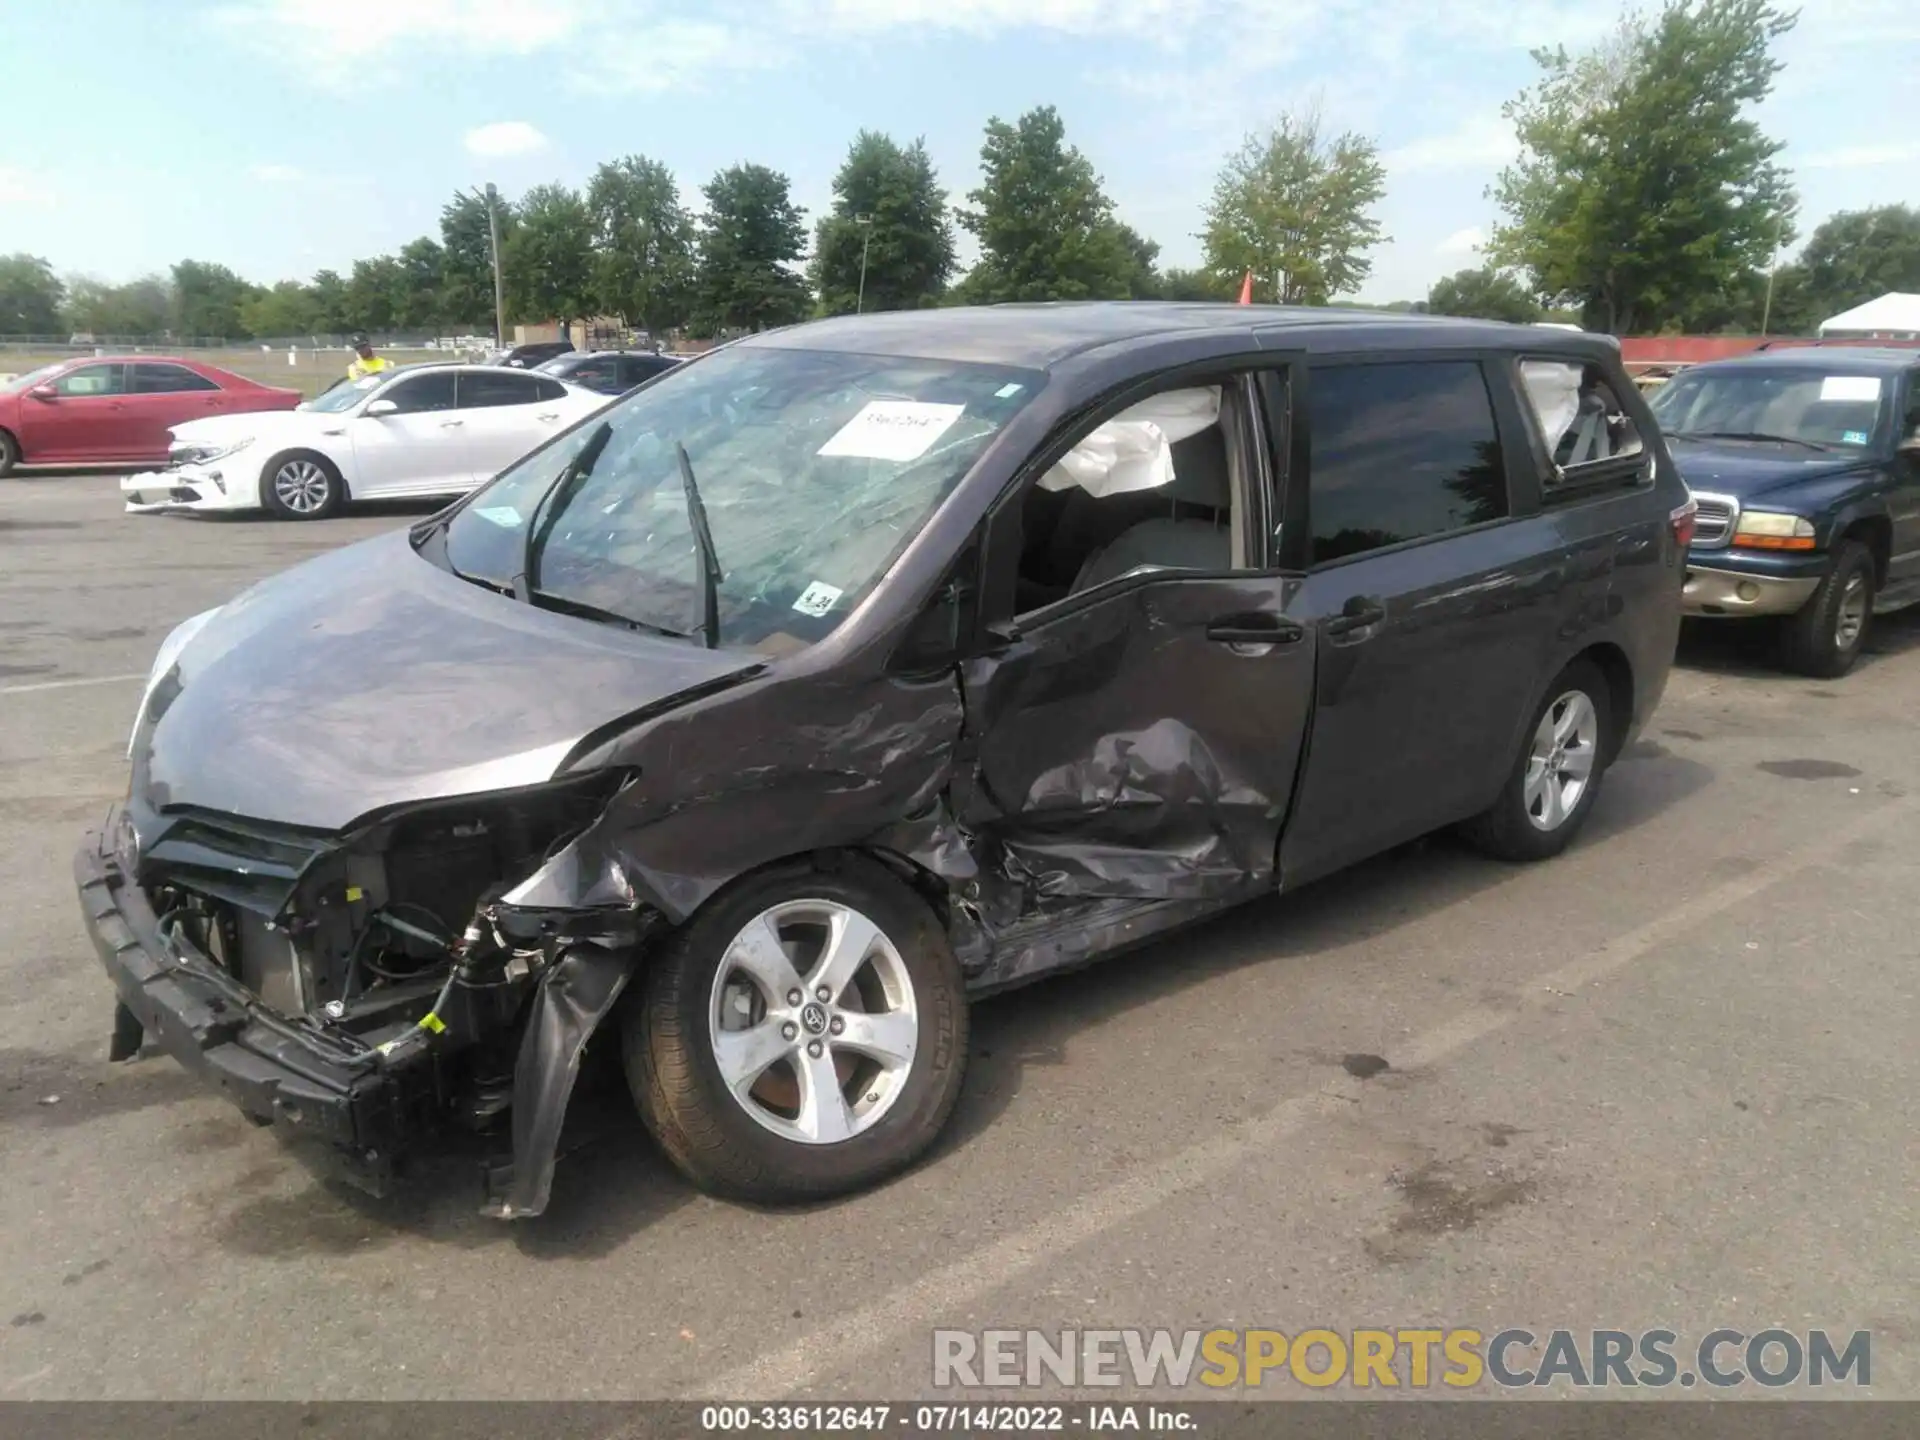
[(1731, 593)]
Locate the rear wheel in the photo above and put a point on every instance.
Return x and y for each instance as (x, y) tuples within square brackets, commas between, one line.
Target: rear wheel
[(803, 1036), (1826, 635), (9, 454), (1551, 791), (301, 486)]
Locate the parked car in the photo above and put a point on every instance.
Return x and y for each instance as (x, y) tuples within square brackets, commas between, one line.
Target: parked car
[(118, 411), (1805, 463), (860, 668), (417, 430), (610, 372), (525, 357)]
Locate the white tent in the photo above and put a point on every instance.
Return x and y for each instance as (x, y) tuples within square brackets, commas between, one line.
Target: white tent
[(1892, 317)]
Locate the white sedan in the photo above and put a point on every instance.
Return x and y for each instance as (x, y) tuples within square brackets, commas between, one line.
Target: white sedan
[(425, 430)]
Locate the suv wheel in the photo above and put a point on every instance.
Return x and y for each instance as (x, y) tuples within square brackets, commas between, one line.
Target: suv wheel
[(1550, 793), (1826, 635), (803, 1036)]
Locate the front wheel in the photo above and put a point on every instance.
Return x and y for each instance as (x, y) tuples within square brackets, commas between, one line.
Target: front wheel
[(301, 486), (9, 454), (803, 1036), (1551, 790), (1825, 636)]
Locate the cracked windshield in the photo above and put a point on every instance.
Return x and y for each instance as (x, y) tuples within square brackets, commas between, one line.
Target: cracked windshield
[(814, 469)]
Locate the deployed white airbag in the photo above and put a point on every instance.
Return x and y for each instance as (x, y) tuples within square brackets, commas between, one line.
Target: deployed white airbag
[(1134, 450), (1553, 386)]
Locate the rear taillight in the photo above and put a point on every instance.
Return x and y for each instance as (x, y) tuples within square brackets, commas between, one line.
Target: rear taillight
[(1682, 520)]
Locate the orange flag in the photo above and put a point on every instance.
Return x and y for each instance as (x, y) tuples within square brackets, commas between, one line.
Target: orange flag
[(1246, 289)]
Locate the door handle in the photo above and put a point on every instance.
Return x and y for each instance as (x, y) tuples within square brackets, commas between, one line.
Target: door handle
[(549, 415), (449, 424), (1362, 612), (1256, 629)]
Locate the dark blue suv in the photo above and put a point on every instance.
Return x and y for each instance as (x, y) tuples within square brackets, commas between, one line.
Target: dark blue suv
[(1805, 464)]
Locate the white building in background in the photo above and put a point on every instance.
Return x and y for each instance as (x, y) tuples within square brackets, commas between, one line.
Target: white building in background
[(1893, 316)]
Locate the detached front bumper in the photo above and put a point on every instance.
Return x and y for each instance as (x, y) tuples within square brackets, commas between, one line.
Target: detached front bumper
[(185, 487), (204, 1018), (1729, 586)]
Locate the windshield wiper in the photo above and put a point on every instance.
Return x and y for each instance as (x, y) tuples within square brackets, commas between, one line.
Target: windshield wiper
[(1746, 435), (565, 605), (710, 576), (549, 508)]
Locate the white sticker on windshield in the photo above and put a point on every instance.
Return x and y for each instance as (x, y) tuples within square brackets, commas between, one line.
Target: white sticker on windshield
[(504, 515), (1850, 387), (1008, 391), (892, 430), (817, 598)]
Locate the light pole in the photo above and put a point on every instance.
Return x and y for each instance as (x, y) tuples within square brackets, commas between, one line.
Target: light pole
[(865, 222), (488, 198)]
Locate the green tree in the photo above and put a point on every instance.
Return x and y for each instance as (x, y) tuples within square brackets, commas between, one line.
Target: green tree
[(371, 290), (908, 242), (467, 258), (419, 284), (1644, 188), (643, 244), (1860, 255), (1294, 206), (1045, 226), (751, 234), (1178, 284), (1144, 281), (284, 312), (30, 296), (207, 300), (1483, 294), (330, 309), (549, 260)]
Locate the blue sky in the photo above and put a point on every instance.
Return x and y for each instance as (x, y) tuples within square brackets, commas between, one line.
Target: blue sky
[(283, 136)]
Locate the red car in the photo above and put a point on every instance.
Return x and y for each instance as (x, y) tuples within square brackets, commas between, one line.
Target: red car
[(103, 410)]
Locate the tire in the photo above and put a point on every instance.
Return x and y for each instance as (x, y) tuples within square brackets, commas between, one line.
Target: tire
[(9, 454), (301, 485), (1522, 825), (757, 1147), (1825, 636)]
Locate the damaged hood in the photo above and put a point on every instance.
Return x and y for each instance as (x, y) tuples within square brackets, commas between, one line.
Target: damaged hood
[(370, 678)]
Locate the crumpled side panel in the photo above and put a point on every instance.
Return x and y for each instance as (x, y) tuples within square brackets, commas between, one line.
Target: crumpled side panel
[(755, 775), (1122, 754)]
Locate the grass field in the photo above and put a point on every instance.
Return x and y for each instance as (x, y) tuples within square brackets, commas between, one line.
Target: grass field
[(311, 373)]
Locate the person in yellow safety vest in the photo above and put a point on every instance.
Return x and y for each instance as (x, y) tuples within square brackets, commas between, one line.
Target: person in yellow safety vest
[(368, 363)]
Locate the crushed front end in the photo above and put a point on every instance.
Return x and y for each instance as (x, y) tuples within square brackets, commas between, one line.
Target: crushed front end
[(368, 990)]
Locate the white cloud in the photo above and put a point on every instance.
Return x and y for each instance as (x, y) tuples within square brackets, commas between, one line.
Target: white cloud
[(1484, 142), (1863, 157), (1470, 241), (674, 55), (345, 47), (505, 138), (272, 174), (24, 188)]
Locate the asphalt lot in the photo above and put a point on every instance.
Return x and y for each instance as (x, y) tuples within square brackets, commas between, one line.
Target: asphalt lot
[(1665, 1080)]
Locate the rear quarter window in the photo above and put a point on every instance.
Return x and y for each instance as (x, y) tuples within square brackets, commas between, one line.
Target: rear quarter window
[(1586, 432)]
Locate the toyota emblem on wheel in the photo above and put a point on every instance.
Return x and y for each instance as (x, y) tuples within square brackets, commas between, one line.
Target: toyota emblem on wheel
[(814, 1017)]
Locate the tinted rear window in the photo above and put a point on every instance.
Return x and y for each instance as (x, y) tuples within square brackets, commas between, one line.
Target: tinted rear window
[(1401, 451)]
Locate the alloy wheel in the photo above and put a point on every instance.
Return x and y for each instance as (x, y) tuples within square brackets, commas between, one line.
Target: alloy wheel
[(303, 486), (1560, 763), (1852, 617), (813, 1021)]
